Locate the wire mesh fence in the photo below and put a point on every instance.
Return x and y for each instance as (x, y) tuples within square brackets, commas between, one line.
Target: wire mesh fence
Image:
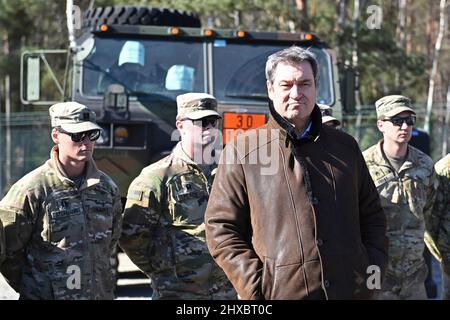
[(26, 142)]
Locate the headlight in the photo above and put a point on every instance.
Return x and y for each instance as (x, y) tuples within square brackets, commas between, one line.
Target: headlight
[(121, 135)]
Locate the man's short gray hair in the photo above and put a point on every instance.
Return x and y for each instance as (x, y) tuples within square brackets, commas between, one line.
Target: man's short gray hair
[(293, 55)]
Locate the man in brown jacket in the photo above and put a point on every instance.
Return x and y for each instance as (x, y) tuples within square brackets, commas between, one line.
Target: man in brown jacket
[(293, 212)]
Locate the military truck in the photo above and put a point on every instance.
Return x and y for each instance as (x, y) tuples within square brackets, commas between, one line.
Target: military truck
[(129, 64)]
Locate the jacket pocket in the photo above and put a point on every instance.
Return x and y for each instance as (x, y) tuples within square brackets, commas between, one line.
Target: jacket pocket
[(288, 282), (417, 196), (267, 277), (359, 273), (66, 221), (188, 197), (101, 223)]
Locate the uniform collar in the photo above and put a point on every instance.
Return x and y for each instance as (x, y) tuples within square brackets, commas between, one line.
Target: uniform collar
[(379, 158), (92, 176), (182, 155)]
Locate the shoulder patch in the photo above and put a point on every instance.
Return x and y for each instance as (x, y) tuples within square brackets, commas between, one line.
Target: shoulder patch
[(135, 195)]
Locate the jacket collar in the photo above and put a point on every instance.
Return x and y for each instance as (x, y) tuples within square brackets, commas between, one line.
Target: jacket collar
[(92, 173), (276, 121)]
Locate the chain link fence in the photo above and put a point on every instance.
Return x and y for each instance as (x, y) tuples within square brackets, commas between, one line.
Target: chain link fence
[(26, 142)]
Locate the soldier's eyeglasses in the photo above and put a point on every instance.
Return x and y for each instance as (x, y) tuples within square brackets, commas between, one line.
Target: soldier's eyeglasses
[(206, 121), (398, 121), (93, 135), (209, 121)]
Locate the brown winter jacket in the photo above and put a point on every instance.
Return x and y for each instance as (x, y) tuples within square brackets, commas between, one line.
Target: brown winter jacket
[(296, 235)]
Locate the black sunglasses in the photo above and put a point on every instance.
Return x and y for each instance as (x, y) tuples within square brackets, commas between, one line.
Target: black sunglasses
[(206, 121), (398, 121), (93, 135)]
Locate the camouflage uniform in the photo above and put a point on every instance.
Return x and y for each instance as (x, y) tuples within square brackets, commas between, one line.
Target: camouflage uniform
[(55, 232), (407, 198), (440, 227), (2, 243), (164, 234)]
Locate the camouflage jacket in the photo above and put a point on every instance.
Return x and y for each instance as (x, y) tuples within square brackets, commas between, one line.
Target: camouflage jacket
[(2, 243), (59, 238), (164, 233), (407, 198), (438, 239)]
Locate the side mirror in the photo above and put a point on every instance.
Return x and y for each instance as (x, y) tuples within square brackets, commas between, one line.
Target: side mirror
[(36, 65), (33, 79)]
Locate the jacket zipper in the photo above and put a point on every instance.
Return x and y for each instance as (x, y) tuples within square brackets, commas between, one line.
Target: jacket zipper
[(91, 254)]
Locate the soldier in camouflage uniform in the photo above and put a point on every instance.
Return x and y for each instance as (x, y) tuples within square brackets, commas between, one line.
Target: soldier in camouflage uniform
[(63, 219), (2, 243), (163, 230), (406, 182), (327, 116), (438, 238)]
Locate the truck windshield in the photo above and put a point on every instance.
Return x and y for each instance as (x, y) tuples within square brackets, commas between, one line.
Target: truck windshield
[(144, 67), (239, 72)]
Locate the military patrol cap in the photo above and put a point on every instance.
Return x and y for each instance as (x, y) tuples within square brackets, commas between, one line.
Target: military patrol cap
[(327, 114), (195, 106), (390, 106), (73, 117)]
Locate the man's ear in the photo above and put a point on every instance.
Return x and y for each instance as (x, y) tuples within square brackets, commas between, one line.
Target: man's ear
[(179, 124), (55, 136), (380, 124), (269, 89)]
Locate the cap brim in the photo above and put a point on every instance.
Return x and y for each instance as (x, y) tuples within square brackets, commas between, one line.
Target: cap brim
[(329, 118), (397, 111), (80, 127), (202, 114)]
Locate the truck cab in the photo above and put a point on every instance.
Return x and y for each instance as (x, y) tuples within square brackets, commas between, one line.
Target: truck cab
[(131, 75)]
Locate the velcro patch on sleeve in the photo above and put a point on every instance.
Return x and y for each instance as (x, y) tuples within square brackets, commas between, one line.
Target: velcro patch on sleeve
[(136, 195)]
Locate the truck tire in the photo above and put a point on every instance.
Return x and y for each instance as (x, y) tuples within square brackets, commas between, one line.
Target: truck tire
[(131, 15)]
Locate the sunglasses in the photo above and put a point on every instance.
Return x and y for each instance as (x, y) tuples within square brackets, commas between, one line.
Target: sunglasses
[(398, 121), (93, 135), (206, 121)]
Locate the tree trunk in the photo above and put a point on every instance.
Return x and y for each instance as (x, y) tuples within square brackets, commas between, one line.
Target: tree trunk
[(401, 38), (237, 18), (445, 137), (91, 4), (401, 32), (341, 9), (355, 20), (302, 9), (433, 74), (7, 80), (429, 32)]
